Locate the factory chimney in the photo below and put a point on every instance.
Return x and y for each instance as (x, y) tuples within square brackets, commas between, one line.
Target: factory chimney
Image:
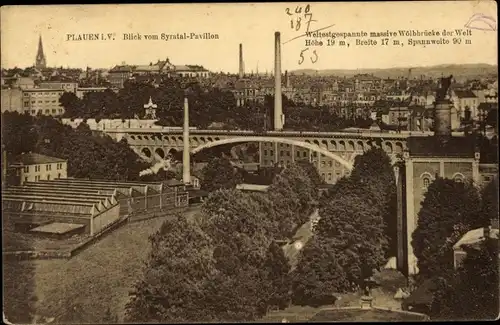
[(242, 68), (186, 163), (279, 118)]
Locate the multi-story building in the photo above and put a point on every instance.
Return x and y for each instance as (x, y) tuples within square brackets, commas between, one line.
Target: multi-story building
[(42, 101), (34, 167), (463, 99), (280, 154), (120, 73)]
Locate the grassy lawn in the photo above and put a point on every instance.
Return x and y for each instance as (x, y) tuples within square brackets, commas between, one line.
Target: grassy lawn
[(81, 289)]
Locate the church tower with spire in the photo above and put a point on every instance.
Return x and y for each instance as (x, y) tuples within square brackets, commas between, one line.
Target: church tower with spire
[(40, 62)]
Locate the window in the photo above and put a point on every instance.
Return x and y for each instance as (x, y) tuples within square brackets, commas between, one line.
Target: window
[(26, 104), (459, 178), (37, 168), (288, 153), (330, 163), (323, 163), (329, 176), (48, 167), (53, 111), (59, 175), (26, 179), (27, 169), (298, 154), (265, 152), (304, 154), (47, 111), (48, 177), (271, 152), (425, 182), (281, 153), (323, 176)]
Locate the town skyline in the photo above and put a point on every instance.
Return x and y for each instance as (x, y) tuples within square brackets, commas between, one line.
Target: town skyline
[(257, 38)]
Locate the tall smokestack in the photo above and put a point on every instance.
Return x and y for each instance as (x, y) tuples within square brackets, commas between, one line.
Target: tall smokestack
[(279, 119), (186, 164), (242, 69)]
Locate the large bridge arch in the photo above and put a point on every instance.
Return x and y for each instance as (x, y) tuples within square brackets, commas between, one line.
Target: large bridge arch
[(302, 144)]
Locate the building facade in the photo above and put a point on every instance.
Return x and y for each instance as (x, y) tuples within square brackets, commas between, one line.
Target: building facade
[(34, 167), (427, 158), (463, 99), (43, 101)]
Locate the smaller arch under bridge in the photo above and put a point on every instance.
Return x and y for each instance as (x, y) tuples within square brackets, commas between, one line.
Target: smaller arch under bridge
[(302, 144)]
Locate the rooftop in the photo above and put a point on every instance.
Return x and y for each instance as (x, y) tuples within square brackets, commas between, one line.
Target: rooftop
[(35, 159), (475, 236), (57, 228), (464, 94), (432, 146)]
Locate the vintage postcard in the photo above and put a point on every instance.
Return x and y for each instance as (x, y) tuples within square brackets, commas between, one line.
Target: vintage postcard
[(250, 162)]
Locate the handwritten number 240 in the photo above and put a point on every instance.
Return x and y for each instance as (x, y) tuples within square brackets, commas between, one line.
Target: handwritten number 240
[(298, 10), (313, 57)]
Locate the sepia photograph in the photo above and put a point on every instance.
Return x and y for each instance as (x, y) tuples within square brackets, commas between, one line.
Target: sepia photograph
[(250, 162)]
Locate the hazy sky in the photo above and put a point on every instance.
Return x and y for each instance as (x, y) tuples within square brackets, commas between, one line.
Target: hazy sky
[(251, 24)]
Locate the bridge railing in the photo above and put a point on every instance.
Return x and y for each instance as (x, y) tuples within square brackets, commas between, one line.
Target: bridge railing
[(363, 132)]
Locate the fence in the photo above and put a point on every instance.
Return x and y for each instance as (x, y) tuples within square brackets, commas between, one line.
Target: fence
[(165, 202)]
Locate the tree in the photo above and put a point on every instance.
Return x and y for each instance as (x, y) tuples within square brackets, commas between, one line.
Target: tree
[(235, 218), (18, 133), (489, 201), (311, 171), (373, 169), (73, 106), (236, 298), (319, 274), (244, 283), (294, 198), (471, 292), (277, 270), (356, 227), (447, 206), (171, 288), (219, 173)]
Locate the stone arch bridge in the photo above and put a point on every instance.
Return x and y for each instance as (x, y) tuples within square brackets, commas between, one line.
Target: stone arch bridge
[(285, 146)]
